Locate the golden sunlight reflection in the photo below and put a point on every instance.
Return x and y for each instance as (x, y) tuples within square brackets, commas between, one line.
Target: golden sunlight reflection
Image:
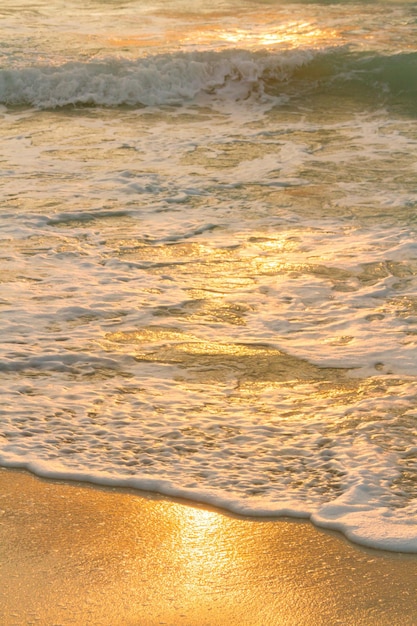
[(292, 34), (197, 534), (204, 545), (258, 33)]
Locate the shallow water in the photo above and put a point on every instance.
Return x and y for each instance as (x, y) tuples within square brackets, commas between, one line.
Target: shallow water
[(208, 254)]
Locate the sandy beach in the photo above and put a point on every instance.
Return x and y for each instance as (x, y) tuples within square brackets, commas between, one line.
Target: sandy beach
[(77, 554)]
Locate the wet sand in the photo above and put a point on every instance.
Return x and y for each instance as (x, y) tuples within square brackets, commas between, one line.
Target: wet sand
[(77, 554)]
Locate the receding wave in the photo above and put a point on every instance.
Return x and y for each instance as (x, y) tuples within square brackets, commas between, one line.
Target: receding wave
[(176, 79)]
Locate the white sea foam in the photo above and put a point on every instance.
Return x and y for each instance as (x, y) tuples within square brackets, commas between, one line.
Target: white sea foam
[(115, 397)]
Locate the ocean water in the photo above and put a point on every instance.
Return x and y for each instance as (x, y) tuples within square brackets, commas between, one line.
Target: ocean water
[(208, 275)]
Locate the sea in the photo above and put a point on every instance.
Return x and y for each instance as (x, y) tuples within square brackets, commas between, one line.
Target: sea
[(208, 255)]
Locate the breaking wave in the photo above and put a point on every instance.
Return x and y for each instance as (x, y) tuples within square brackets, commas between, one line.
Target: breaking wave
[(181, 78)]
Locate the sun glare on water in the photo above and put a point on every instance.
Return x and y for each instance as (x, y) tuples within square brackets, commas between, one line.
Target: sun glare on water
[(291, 34), (253, 35)]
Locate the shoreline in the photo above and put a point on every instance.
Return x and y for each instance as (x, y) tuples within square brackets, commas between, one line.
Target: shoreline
[(76, 553)]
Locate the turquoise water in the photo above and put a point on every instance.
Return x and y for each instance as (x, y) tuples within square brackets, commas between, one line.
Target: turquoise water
[(209, 257)]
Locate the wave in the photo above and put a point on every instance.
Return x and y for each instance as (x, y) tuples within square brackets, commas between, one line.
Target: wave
[(180, 78)]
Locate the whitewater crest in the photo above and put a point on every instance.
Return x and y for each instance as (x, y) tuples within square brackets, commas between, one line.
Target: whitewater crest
[(165, 79), (175, 79)]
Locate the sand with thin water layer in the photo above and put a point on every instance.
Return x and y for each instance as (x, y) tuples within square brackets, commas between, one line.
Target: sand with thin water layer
[(74, 554)]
